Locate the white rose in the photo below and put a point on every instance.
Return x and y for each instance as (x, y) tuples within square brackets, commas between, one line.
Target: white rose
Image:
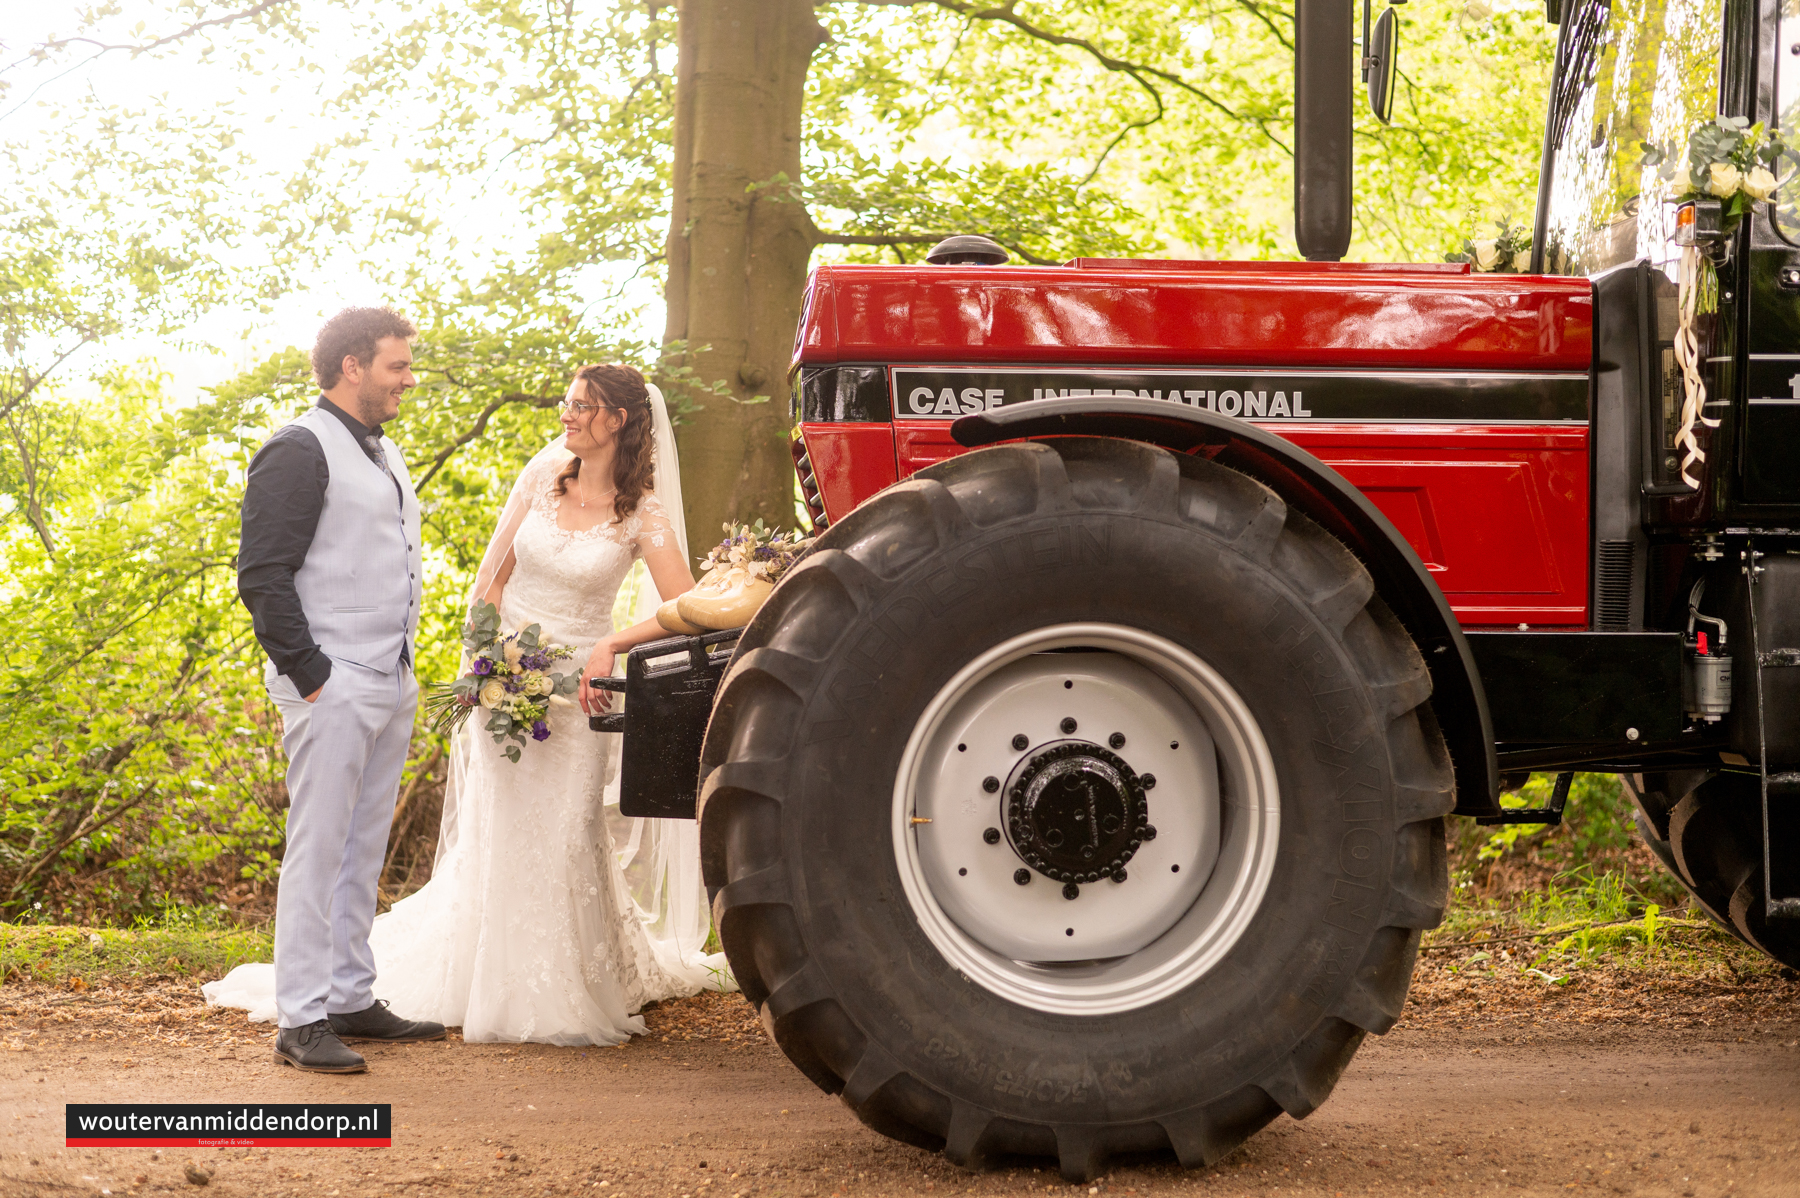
[(1760, 183), (1724, 179), (492, 693), (1487, 254), (1681, 181), (536, 684), (1522, 261)]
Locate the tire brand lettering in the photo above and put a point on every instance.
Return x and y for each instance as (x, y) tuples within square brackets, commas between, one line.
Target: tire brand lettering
[(1318, 671), (955, 1060), (1319, 991), (1282, 625), (1117, 1079), (1359, 852), (1361, 849), (1042, 1089), (1352, 906)]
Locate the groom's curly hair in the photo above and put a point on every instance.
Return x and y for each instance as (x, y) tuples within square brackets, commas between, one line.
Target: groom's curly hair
[(634, 463), (354, 333)]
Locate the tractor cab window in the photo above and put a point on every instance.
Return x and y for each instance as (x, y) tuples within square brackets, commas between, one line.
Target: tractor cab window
[(1629, 71), (1787, 116)]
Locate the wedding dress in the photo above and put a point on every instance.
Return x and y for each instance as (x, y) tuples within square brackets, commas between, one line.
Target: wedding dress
[(537, 925)]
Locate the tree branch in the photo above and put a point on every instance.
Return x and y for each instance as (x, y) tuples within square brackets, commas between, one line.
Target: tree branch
[(82, 828), (104, 47), (1256, 10), (476, 429), (1139, 73)]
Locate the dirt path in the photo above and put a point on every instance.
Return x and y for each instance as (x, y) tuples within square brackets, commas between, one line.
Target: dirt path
[(1455, 1101)]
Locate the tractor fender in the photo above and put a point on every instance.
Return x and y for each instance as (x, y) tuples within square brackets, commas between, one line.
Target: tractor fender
[(1458, 700)]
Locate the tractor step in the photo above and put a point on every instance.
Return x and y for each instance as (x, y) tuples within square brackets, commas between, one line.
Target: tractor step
[(1552, 815)]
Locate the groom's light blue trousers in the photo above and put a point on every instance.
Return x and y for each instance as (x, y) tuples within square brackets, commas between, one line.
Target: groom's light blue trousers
[(345, 752)]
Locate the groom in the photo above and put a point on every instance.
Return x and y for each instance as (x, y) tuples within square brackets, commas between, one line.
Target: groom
[(329, 568)]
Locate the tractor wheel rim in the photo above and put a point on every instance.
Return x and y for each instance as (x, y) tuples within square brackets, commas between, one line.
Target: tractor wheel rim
[(1051, 750)]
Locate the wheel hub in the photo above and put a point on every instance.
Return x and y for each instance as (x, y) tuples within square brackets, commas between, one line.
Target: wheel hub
[(1076, 812)]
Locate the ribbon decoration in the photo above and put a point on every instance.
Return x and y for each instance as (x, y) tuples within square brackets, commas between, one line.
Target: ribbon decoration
[(1695, 277)]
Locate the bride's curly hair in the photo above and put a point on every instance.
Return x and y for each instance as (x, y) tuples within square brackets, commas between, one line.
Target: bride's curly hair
[(634, 462)]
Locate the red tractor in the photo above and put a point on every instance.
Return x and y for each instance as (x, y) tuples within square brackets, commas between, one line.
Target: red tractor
[(1083, 791)]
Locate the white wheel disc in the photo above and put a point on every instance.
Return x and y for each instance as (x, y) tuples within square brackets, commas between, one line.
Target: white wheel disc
[(1140, 716)]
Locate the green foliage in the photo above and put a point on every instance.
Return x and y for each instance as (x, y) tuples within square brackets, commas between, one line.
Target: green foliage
[(1186, 114), (141, 757), (1597, 820), (185, 944), (1507, 252), (139, 741), (1584, 893)]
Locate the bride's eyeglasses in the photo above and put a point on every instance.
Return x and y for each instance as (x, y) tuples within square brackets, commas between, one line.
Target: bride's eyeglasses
[(581, 411)]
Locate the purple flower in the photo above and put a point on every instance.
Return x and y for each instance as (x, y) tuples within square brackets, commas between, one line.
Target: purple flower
[(540, 731), (483, 666)]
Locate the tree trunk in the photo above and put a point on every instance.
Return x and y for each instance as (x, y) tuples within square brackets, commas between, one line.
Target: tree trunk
[(737, 260)]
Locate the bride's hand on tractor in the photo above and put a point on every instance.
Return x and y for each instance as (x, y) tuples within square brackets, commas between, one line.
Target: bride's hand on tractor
[(599, 665)]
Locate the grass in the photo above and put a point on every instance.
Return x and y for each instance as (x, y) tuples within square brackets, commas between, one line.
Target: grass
[(1549, 902), (177, 945), (1552, 902)]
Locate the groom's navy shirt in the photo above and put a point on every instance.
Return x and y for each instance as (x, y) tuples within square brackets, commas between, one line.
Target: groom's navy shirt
[(284, 492)]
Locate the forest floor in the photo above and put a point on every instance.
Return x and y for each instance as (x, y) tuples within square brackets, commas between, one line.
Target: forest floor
[(1618, 1080), (1574, 1026)]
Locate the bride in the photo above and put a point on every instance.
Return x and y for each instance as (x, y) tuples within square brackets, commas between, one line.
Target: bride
[(529, 928)]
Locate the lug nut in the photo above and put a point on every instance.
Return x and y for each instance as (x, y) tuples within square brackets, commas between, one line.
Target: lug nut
[(1021, 742), (990, 784), (1071, 891), (1068, 725), (1118, 875), (1149, 832), (1116, 740), (1149, 781), (992, 836), (1021, 876)]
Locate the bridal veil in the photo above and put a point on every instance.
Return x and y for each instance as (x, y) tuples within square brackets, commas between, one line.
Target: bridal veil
[(659, 858)]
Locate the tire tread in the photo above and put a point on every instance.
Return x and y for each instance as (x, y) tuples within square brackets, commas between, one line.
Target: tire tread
[(1256, 524)]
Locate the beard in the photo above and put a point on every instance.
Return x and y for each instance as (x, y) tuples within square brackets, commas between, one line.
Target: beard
[(375, 404)]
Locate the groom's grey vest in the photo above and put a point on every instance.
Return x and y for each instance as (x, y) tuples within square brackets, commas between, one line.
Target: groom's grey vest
[(360, 583)]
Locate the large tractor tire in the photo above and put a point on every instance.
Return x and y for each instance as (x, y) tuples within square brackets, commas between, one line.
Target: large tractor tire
[(1710, 826), (1074, 799)]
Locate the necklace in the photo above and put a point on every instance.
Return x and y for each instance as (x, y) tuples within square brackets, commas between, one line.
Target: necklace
[(597, 498)]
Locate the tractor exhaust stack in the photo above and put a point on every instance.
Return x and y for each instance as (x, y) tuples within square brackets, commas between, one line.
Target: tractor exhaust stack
[(1323, 149)]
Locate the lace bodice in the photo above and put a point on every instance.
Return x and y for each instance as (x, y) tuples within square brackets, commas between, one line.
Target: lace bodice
[(565, 581)]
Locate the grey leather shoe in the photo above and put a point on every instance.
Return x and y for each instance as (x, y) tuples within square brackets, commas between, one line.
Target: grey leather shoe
[(378, 1023), (315, 1048)]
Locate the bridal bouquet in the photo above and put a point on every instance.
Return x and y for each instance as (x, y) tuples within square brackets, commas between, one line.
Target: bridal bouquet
[(509, 676)]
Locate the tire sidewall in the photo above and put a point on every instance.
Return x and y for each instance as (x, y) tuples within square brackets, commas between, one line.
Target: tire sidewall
[(1336, 845)]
